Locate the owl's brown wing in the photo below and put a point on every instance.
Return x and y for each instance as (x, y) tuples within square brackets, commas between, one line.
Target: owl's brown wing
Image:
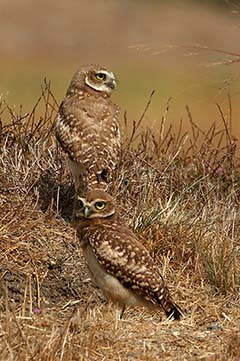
[(67, 133), (124, 257), (88, 132)]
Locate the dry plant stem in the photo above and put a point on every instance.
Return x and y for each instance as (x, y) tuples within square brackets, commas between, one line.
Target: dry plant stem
[(137, 124), (182, 200)]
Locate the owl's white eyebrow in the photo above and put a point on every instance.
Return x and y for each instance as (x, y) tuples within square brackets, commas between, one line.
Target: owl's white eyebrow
[(106, 72), (103, 71), (83, 201)]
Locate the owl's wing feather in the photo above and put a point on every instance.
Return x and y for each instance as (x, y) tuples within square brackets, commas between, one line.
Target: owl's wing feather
[(130, 263), (133, 266), (67, 134), (87, 130)]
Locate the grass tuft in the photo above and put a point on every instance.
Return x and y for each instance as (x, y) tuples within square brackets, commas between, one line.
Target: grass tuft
[(178, 191)]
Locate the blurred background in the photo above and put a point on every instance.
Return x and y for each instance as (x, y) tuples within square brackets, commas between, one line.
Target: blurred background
[(150, 45)]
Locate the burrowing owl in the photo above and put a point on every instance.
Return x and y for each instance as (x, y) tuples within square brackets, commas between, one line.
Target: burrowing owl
[(87, 127), (118, 263)]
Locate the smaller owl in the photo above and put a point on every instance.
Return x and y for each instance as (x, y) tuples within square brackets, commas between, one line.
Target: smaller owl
[(87, 128), (118, 263)]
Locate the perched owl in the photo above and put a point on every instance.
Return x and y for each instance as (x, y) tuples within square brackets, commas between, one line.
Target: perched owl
[(87, 128), (118, 263)]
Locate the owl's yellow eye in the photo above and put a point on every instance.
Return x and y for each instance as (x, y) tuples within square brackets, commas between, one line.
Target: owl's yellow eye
[(100, 205), (100, 76)]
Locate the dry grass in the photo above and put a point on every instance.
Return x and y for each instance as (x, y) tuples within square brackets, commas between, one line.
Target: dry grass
[(179, 192)]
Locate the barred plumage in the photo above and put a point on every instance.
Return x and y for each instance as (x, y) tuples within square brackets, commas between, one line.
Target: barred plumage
[(87, 128), (119, 264)]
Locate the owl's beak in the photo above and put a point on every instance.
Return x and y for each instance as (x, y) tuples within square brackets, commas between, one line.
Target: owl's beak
[(87, 211), (112, 84)]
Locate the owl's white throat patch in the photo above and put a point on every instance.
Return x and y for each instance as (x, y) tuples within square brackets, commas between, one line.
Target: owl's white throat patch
[(103, 215)]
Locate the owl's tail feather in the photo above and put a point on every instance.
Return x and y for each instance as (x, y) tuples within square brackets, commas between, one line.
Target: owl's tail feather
[(96, 181), (88, 180), (175, 312), (164, 299)]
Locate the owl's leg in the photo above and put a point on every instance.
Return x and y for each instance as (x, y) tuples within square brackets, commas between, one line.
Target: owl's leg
[(122, 312), (77, 175)]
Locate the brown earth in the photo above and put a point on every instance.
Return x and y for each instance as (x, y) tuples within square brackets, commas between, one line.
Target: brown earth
[(182, 202)]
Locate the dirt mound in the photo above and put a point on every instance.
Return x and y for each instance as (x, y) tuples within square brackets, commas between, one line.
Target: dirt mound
[(178, 192)]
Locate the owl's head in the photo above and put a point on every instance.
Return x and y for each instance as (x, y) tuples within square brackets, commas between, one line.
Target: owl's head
[(95, 77), (95, 204)]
